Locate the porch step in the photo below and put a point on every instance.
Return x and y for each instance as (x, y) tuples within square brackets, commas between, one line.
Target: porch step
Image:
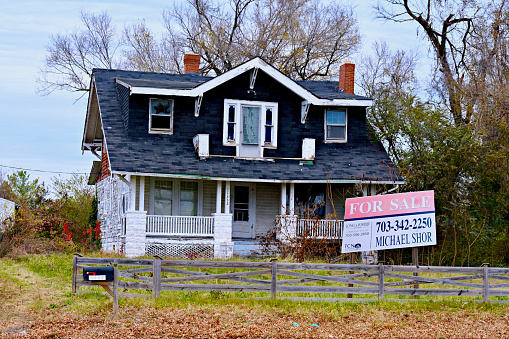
[(247, 248)]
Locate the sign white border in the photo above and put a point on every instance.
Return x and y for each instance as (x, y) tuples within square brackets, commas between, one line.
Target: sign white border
[(389, 221)]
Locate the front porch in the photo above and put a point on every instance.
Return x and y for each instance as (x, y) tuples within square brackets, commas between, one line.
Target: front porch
[(230, 218), (198, 237)]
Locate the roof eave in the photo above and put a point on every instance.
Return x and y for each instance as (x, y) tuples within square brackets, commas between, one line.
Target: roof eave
[(296, 181)]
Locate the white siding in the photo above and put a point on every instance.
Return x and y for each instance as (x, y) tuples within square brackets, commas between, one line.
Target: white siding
[(109, 195), (268, 197), (7, 209)]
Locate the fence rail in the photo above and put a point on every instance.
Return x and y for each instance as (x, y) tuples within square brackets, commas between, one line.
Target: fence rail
[(180, 225), (273, 277)]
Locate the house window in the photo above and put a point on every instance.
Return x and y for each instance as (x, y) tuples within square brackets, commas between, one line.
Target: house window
[(250, 126), (269, 126), (163, 197), (189, 198), (231, 124), (335, 125), (161, 116), (175, 197)]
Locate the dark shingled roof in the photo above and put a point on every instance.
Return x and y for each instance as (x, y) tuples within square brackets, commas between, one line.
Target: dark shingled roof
[(328, 90), (168, 81), (153, 154)]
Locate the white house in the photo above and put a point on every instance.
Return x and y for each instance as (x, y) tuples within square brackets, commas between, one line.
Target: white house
[(7, 209)]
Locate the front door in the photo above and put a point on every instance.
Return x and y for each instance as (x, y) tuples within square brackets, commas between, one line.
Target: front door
[(250, 132), (243, 210)]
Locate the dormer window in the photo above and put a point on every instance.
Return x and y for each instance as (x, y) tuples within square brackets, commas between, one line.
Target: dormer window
[(335, 125), (250, 126), (161, 116)]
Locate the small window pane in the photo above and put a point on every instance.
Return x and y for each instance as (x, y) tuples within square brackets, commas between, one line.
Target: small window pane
[(335, 132), (159, 107), (188, 190), (268, 116), (268, 134), (336, 117), (231, 132), (161, 122), (163, 196), (162, 207), (231, 114), (188, 198)]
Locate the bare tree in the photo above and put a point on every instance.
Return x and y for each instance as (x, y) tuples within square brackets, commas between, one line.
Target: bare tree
[(448, 26), (71, 57), (388, 77), (304, 39), (488, 59), (145, 53)]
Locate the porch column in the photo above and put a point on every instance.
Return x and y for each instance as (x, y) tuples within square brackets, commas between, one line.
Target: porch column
[(218, 196), (223, 244), (365, 190), (292, 198), (132, 193), (288, 221), (283, 199), (135, 222), (136, 225), (141, 206), (223, 223), (373, 189), (227, 198)]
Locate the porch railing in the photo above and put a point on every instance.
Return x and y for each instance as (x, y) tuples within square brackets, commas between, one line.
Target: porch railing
[(320, 228), (171, 225)]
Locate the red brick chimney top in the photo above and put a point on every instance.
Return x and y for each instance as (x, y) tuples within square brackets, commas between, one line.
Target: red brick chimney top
[(346, 77), (191, 63)]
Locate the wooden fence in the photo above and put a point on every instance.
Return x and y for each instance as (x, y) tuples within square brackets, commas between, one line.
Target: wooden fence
[(272, 277)]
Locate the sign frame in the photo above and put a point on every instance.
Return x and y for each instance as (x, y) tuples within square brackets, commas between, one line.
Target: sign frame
[(389, 221)]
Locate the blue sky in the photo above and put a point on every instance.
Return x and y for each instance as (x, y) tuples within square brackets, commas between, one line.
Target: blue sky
[(44, 132)]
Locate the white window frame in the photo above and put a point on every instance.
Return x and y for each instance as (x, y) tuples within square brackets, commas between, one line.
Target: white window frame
[(176, 196), (327, 140), (238, 104), (160, 130)]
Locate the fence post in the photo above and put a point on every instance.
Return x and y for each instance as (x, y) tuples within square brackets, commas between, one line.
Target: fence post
[(273, 279), (415, 262), (353, 258), (115, 287), (381, 282), (74, 274), (156, 278), (486, 284)]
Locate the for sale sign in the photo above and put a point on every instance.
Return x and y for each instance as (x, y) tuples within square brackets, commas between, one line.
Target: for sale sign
[(389, 221)]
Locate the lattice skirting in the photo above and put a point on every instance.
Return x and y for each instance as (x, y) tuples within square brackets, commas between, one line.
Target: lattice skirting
[(186, 251)]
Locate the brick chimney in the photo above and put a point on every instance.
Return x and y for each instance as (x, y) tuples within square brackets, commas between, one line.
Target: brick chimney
[(346, 77), (191, 63)]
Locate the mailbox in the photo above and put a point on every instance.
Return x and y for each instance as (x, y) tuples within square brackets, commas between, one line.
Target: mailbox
[(98, 273)]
